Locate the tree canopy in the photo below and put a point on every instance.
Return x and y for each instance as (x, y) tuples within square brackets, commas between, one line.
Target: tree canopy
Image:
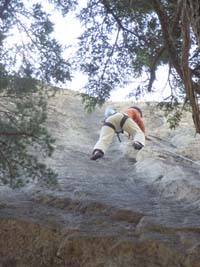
[(28, 64), (130, 38)]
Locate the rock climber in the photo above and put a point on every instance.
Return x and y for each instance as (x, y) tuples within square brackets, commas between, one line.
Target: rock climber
[(128, 120)]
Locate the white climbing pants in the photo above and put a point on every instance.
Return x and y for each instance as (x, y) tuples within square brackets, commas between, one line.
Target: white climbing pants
[(107, 133)]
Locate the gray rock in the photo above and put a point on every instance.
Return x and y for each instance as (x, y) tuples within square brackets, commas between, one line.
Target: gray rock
[(128, 209)]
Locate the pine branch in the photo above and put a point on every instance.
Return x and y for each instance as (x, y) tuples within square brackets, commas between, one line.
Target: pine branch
[(112, 52), (119, 22), (4, 8), (153, 67)]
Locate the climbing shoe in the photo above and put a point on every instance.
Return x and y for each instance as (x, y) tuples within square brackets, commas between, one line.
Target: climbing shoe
[(97, 154), (137, 145)]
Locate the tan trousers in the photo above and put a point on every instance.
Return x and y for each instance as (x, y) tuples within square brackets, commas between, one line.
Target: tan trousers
[(107, 133)]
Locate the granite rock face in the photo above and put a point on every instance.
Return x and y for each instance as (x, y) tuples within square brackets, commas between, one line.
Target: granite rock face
[(128, 209)]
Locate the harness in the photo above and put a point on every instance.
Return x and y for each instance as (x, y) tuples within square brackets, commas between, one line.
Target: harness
[(109, 124)]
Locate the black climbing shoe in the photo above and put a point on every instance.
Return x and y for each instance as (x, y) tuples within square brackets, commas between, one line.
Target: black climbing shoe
[(97, 154), (137, 145)]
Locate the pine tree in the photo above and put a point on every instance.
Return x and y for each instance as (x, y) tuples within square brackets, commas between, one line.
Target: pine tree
[(28, 65)]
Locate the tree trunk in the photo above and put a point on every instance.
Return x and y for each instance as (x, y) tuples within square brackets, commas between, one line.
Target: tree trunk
[(187, 76), (194, 13)]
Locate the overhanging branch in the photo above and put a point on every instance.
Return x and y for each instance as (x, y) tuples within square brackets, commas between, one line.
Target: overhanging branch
[(167, 35), (119, 22), (153, 67), (112, 51)]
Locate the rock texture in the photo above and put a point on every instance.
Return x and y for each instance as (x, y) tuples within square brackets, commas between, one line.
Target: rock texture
[(129, 209)]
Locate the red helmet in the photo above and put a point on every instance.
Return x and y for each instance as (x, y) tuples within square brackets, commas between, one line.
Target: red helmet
[(138, 109)]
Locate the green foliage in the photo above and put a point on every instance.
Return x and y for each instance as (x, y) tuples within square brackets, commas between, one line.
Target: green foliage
[(28, 64), (24, 139), (120, 42), (64, 6), (131, 39), (173, 111), (90, 102), (174, 119)]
